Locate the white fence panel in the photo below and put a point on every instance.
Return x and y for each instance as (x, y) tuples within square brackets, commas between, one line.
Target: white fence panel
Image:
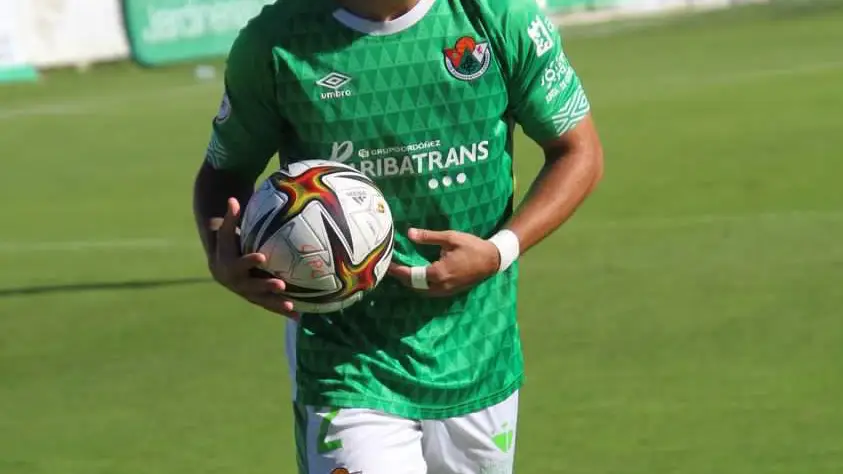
[(73, 32)]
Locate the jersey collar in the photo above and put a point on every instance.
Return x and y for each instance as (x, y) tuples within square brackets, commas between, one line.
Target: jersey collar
[(380, 28)]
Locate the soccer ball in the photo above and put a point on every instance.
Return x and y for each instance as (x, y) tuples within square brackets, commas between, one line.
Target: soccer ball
[(326, 231)]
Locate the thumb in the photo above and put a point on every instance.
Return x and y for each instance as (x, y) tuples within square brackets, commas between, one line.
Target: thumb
[(227, 234), (443, 238)]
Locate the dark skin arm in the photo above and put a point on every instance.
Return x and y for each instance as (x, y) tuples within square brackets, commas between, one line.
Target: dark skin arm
[(217, 196), (573, 167), (211, 190)]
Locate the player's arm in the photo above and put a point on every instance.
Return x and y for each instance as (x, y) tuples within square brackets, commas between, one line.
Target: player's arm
[(211, 191), (573, 166), (551, 105), (246, 134), (547, 99)]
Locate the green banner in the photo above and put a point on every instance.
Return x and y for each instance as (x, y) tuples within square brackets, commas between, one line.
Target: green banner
[(13, 64), (17, 74), (171, 31)]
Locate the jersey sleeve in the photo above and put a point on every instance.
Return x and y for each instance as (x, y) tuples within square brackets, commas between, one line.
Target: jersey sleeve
[(546, 96), (248, 128)]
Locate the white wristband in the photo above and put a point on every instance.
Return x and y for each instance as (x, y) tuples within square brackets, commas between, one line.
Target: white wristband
[(418, 278), (508, 246)]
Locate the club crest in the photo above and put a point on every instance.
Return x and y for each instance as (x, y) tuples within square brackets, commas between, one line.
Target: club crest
[(468, 59)]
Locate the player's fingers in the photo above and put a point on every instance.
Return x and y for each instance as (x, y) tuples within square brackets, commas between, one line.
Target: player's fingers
[(437, 274), (441, 279), (401, 272), (444, 238), (248, 262), (274, 304), (290, 311), (412, 277), (261, 286), (227, 234)]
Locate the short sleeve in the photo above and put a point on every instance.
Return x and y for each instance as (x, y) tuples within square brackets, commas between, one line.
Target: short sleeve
[(546, 96), (247, 130)]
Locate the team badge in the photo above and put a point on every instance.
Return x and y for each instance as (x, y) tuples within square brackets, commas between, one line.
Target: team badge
[(225, 110), (468, 59)]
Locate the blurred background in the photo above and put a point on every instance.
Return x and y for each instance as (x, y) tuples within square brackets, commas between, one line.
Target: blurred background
[(688, 320)]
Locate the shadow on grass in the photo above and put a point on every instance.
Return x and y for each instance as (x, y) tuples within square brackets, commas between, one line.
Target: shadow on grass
[(100, 286)]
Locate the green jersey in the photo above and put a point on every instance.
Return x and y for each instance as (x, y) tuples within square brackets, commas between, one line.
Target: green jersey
[(424, 104)]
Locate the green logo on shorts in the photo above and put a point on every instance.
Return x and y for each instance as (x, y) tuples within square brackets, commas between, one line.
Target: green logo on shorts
[(504, 439), (322, 444)]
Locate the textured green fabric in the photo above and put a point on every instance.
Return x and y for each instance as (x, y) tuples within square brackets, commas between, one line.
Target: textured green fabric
[(428, 113)]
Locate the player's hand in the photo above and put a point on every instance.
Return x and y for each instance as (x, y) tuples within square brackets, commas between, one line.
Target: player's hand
[(465, 260), (234, 270)]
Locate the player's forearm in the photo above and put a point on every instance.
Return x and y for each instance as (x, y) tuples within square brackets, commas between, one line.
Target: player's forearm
[(569, 175), (211, 191)]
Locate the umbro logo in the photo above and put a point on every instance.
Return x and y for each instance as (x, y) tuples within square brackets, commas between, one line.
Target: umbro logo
[(335, 82)]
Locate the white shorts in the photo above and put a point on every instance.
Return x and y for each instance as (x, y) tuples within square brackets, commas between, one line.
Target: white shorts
[(362, 441)]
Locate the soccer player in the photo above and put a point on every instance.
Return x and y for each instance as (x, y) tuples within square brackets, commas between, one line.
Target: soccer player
[(423, 374)]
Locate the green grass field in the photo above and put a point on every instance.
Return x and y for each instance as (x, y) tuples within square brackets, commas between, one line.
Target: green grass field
[(688, 320)]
